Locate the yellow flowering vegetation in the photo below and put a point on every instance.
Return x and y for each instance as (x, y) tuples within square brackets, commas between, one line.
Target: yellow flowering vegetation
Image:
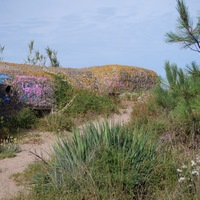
[(100, 79)]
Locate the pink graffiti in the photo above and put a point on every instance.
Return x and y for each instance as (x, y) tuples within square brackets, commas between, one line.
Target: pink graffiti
[(35, 89)]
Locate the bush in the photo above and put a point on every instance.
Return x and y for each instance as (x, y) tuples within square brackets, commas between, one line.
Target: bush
[(84, 101), (24, 119)]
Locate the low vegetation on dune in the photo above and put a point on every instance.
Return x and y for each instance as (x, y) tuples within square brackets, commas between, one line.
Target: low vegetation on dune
[(155, 156), (75, 106)]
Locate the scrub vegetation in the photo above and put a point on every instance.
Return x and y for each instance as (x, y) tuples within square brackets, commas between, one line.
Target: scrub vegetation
[(155, 156), (75, 106)]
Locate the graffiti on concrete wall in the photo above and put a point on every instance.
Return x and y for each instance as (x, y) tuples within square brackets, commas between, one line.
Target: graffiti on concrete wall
[(34, 91), (5, 88), (4, 77), (20, 90)]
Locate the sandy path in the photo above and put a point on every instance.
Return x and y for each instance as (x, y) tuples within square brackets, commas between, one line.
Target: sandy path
[(19, 163), (10, 166)]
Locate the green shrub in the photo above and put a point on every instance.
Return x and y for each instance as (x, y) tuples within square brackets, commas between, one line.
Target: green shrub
[(74, 106), (84, 101), (24, 119)]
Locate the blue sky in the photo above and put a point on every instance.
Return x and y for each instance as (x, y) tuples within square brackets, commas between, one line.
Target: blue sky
[(95, 32)]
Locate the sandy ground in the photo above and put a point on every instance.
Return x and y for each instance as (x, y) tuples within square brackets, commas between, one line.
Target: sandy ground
[(10, 166)]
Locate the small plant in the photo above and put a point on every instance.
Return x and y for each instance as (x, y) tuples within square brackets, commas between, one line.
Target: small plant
[(52, 55), (189, 177), (35, 57), (1, 52), (57, 122), (27, 176), (132, 96), (24, 119), (9, 147)]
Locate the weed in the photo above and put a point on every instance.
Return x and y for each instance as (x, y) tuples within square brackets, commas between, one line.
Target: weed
[(133, 96), (27, 177), (9, 148)]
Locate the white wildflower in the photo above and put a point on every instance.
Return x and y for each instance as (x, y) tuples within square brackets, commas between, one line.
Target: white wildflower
[(184, 167), (181, 179), (198, 159), (179, 170), (194, 172), (193, 163)]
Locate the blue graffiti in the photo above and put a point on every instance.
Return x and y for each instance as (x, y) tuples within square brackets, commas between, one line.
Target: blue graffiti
[(6, 99), (3, 94), (3, 77)]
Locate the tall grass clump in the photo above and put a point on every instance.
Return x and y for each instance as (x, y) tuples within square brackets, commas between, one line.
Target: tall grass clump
[(104, 162), (9, 147)]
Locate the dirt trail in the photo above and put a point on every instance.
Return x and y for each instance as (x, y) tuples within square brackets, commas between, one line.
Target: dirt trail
[(10, 166)]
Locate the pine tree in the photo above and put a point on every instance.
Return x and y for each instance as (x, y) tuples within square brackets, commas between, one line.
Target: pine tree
[(186, 33), (179, 96)]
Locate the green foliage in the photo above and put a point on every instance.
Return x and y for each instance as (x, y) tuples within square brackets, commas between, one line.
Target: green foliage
[(104, 163), (8, 147), (74, 106), (29, 174), (84, 101), (180, 98), (8, 150), (186, 34), (63, 91), (132, 96), (1, 52), (57, 122), (52, 55), (36, 58), (24, 119)]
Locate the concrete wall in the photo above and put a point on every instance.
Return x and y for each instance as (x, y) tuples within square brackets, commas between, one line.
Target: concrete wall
[(27, 85)]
